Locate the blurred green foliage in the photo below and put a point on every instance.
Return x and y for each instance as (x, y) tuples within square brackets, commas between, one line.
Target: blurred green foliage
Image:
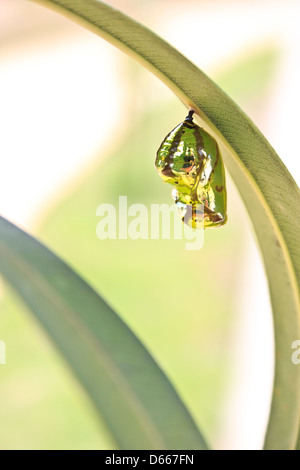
[(180, 303)]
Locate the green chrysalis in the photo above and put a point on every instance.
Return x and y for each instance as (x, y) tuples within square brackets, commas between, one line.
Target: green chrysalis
[(189, 159)]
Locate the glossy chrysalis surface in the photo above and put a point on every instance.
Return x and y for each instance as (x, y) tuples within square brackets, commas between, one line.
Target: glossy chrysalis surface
[(189, 159)]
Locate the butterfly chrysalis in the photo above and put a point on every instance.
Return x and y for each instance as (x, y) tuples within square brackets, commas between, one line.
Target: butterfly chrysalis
[(189, 159)]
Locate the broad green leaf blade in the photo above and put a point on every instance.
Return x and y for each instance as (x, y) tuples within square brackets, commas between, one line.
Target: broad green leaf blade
[(139, 405), (270, 194)]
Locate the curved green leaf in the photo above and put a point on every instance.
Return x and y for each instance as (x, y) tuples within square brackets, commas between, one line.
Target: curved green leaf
[(270, 194), (140, 407)]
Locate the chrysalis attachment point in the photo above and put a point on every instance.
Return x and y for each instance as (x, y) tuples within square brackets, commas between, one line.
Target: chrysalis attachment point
[(189, 159)]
